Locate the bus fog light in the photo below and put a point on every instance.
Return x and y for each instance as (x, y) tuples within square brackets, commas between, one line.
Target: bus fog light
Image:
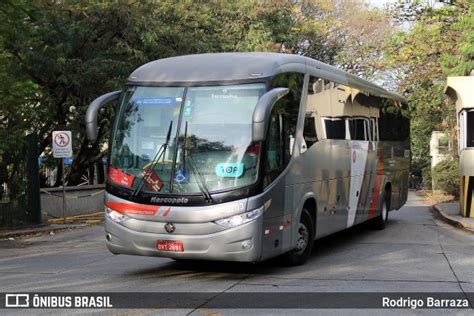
[(240, 219), (246, 244), (114, 215)]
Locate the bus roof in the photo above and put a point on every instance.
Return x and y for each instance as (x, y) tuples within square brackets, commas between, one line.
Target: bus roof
[(221, 67)]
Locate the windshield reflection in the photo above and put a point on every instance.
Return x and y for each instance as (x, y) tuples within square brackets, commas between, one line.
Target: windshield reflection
[(213, 151)]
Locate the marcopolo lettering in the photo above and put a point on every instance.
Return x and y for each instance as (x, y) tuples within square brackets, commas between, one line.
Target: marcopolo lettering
[(181, 200)]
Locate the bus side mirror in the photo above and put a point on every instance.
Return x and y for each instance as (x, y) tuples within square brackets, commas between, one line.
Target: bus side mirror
[(261, 114), (93, 109)]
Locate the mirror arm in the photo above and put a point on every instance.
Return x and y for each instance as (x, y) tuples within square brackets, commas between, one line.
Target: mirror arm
[(262, 112), (93, 109)]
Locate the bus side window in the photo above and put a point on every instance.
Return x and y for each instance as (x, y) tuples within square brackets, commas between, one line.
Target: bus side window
[(335, 128), (373, 129), (314, 100), (309, 131), (393, 125), (357, 128)]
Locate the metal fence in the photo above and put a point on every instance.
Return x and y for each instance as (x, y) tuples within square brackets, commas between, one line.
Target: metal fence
[(20, 202)]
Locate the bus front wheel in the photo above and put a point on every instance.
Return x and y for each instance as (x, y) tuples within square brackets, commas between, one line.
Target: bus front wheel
[(304, 245)]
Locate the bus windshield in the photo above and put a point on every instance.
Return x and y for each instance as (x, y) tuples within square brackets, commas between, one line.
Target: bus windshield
[(212, 151)]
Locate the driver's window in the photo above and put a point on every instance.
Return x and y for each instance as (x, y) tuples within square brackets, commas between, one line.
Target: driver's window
[(288, 108), (282, 125), (274, 148), (274, 152)]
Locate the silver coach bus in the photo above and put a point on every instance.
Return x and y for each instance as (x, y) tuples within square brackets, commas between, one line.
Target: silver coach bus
[(248, 156)]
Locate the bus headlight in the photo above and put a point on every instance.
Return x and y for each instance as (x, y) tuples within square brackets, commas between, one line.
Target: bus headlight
[(240, 219), (114, 215)]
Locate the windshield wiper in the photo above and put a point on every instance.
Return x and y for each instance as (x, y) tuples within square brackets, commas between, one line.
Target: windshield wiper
[(159, 153), (201, 181)]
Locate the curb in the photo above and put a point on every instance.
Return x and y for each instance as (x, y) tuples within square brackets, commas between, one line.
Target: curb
[(451, 220), (38, 230)]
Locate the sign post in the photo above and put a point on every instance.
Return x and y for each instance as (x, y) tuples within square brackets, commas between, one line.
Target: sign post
[(62, 148), (64, 191)]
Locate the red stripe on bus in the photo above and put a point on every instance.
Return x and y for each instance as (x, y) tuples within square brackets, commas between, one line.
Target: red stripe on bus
[(167, 212), (378, 183), (133, 208)]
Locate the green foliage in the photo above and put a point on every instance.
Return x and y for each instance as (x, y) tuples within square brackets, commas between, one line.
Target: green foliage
[(57, 56), (417, 166), (462, 62), (438, 44), (427, 179), (446, 176)]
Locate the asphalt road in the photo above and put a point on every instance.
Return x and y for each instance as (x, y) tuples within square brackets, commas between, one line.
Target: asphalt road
[(416, 252)]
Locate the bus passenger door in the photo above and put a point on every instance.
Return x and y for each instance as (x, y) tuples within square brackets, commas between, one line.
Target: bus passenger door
[(360, 178), (277, 198)]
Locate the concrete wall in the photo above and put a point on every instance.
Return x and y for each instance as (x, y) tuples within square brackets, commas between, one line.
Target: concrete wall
[(436, 155), (79, 200)]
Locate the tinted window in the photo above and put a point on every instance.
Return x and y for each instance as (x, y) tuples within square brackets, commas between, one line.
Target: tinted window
[(357, 129), (274, 145), (274, 153), (309, 132), (373, 128), (335, 129), (393, 124), (315, 87), (470, 129)]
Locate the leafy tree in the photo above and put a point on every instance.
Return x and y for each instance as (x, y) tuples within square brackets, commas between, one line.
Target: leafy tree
[(437, 44), (461, 63), (57, 56), (446, 176), (362, 32)]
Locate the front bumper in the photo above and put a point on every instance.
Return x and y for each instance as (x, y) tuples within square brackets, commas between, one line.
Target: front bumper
[(224, 245)]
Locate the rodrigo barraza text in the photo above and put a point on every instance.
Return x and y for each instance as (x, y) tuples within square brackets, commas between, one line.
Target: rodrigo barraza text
[(427, 302)]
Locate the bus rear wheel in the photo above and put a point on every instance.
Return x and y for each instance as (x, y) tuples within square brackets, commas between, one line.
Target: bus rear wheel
[(381, 221), (304, 245)]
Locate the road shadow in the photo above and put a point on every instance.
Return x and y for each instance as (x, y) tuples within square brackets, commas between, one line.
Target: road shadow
[(332, 243)]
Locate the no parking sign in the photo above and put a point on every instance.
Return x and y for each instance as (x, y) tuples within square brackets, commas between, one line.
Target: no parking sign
[(62, 144)]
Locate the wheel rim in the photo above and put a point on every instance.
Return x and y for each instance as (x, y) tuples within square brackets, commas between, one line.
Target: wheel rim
[(303, 239)]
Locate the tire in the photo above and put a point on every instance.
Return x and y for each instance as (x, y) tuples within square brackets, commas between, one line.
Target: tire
[(304, 246), (380, 221)]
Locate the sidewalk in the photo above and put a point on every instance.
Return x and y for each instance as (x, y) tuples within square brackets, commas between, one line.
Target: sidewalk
[(36, 230), (53, 226), (450, 213)]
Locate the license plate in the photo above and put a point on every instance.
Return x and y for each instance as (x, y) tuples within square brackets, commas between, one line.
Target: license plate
[(168, 245)]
